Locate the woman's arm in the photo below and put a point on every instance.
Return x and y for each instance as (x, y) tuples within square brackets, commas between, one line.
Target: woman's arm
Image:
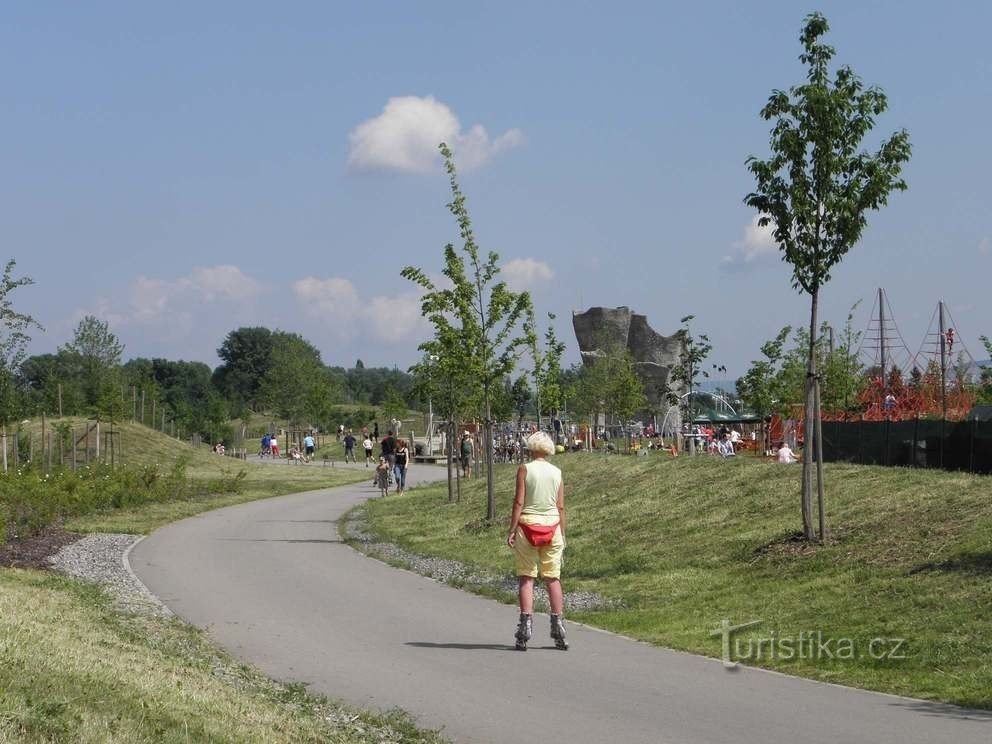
[(518, 504), (561, 508)]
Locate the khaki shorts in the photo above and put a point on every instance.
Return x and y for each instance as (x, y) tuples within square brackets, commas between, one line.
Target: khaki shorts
[(544, 562)]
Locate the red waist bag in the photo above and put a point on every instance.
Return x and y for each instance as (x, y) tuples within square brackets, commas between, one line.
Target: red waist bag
[(539, 535)]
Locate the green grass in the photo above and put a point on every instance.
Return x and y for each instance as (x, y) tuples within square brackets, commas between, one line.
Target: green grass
[(142, 447), (72, 669), (690, 542)]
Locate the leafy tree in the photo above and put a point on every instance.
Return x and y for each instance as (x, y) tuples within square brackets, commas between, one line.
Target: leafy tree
[(985, 375), (14, 338), (246, 359), (477, 311), (547, 367), (443, 378), (97, 352), (393, 406), (520, 396), (610, 384), (692, 366), (759, 388), (843, 371), (296, 385), (815, 190)]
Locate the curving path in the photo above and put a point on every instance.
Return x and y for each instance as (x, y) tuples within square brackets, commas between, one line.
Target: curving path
[(273, 583)]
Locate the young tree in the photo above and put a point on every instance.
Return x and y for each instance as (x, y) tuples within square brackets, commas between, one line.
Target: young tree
[(97, 352), (815, 190), (547, 366), (759, 387), (14, 338), (695, 351), (479, 311), (441, 377)]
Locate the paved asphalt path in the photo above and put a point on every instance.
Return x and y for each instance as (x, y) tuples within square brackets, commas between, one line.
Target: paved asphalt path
[(273, 583)]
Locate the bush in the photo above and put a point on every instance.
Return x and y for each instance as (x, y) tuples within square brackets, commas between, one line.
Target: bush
[(31, 500)]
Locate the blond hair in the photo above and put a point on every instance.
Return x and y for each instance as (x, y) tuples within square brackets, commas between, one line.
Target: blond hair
[(539, 443)]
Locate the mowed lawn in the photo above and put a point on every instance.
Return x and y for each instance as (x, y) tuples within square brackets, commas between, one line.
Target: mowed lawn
[(690, 542)]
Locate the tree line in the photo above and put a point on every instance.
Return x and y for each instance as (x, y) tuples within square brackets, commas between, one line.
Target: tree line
[(276, 372)]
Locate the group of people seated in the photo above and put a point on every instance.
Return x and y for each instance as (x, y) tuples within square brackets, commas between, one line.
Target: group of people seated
[(724, 441)]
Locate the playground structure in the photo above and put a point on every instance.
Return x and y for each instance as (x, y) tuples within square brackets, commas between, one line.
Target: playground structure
[(936, 382)]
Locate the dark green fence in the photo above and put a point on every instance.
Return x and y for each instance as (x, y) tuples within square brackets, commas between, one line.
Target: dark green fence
[(920, 443)]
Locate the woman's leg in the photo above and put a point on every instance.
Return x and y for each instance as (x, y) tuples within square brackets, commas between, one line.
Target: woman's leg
[(525, 593), (555, 596)]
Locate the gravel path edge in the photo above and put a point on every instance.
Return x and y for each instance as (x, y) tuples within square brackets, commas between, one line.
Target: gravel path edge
[(356, 532)]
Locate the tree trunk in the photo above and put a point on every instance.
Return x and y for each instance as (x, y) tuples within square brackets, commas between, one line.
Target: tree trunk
[(809, 426), (449, 448), (819, 464), (487, 442)]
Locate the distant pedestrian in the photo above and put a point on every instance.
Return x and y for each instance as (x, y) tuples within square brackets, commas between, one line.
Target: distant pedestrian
[(387, 448), (309, 446), (367, 444), (349, 446), (402, 460), (382, 477), (537, 537), (465, 450), (340, 431), (274, 445), (375, 431), (266, 447)]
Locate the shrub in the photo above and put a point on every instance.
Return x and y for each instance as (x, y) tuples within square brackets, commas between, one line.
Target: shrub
[(31, 500)]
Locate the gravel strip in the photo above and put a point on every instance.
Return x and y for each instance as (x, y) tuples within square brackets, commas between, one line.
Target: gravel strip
[(100, 558), (358, 533)]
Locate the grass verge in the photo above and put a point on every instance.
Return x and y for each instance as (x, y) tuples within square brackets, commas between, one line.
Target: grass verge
[(147, 488), (74, 670), (689, 543)]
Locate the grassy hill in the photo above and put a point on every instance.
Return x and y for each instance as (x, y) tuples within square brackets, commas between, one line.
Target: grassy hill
[(212, 478), (688, 543)]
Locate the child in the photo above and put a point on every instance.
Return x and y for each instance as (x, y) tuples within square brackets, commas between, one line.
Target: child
[(382, 476), (295, 454)]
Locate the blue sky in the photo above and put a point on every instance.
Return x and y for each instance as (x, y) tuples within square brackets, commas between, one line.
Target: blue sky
[(185, 168)]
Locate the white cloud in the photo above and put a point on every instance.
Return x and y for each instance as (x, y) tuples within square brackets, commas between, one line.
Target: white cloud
[(333, 299), (406, 134), (345, 314), (757, 243), (524, 273), (172, 308), (394, 319), (221, 282)]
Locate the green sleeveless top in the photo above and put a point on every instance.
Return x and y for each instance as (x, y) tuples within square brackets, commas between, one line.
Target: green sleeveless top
[(541, 497)]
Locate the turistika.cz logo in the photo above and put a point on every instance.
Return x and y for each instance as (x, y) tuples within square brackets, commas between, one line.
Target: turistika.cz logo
[(807, 645)]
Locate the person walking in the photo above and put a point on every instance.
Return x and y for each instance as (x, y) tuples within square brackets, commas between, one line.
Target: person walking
[(274, 446), (367, 444), (466, 450), (382, 477), (537, 537), (401, 460), (309, 446), (349, 446)]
